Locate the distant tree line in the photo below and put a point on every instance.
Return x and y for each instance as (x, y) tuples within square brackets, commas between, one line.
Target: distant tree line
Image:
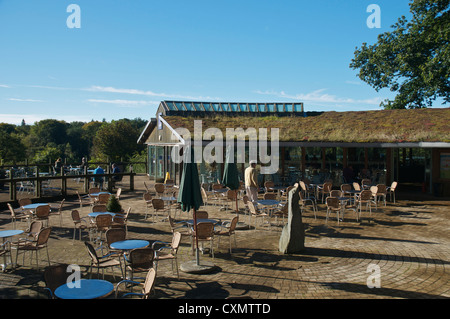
[(47, 140)]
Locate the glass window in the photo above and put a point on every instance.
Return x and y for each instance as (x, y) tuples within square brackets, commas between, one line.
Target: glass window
[(270, 108), (226, 107), (252, 108), (243, 107), (288, 107), (207, 107), (216, 107), (280, 108), (180, 106), (189, 106), (234, 107), (298, 107), (262, 107)]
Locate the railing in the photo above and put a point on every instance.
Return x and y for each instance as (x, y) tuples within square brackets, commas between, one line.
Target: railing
[(39, 180)]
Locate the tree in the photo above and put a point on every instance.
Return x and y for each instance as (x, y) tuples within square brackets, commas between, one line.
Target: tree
[(412, 60), (116, 140), (11, 147)]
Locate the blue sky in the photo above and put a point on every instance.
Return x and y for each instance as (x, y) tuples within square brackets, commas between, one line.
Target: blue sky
[(130, 55)]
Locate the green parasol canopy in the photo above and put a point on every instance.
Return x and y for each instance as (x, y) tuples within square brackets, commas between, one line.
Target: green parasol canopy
[(189, 195), (230, 174)]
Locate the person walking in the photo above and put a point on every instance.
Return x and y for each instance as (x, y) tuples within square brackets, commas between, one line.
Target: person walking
[(251, 182)]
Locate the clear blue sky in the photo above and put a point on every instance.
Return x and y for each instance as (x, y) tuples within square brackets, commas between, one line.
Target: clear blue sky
[(130, 55)]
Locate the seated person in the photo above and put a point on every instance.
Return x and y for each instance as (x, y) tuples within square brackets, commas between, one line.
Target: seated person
[(98, 181)]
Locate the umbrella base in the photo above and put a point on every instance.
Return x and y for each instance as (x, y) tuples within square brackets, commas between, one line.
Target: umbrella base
[(203, 267)]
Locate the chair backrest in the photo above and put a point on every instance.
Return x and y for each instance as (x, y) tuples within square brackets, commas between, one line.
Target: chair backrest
[(245, 199), (103, 198), (176, 239), (92, 252), (365, 195), (55, 276), (231, 194), (327, 187), (335, 193), (332, 202), (233, 224), (94, 190), (118, 193), (302, 185), (103, 220), (115, 234), (201, 214), (268, 184), (381, 189), (11, 210), (216, 186), (35, 228), (346, 187), (149, 283), (25, 201), (204, 195), (43, 236), (356, 186), (374, 190), (205, 230), (365, 181), (142, 258), (99, 208), (157, 203), (159, 188), (42, 211), (76, 216), (270, 196), (393, 186), (147, 197)]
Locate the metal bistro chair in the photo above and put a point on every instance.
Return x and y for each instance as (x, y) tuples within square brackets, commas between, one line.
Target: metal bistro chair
[(391, 190), (55, 276), (101, 262), (229, 231), (147, 197), (40, 243), (333, 205), (42, 213), (146, 286), (168, 255), (140, 260), (81, 224), (205, 232)]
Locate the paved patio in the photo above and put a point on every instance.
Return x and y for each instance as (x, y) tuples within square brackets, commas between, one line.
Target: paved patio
[(408, 242)]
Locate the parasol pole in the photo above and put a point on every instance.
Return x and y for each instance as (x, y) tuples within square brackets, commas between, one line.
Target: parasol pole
[(197, 256)]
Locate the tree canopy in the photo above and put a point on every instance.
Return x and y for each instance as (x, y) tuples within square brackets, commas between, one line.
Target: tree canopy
[(413, 59), (50, 139)]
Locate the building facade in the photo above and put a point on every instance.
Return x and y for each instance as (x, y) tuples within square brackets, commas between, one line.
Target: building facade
[(408, 146)]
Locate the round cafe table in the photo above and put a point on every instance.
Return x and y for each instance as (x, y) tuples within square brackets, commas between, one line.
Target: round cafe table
[(129, 244), (84, 289), (34, 206), (95, 214), (4, 234)]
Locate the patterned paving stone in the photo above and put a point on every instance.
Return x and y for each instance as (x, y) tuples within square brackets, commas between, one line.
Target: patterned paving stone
[(407, 242)]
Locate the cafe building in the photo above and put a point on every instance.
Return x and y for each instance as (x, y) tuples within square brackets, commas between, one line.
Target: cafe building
[(410, 146)]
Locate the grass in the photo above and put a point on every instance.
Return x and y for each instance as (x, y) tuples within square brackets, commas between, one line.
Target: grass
[(385, 126)]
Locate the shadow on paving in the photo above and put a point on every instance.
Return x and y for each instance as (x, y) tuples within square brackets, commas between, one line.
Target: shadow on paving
[(382, 292)]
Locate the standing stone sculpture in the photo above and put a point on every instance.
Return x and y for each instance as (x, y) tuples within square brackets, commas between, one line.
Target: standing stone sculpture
[(292, 239)]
